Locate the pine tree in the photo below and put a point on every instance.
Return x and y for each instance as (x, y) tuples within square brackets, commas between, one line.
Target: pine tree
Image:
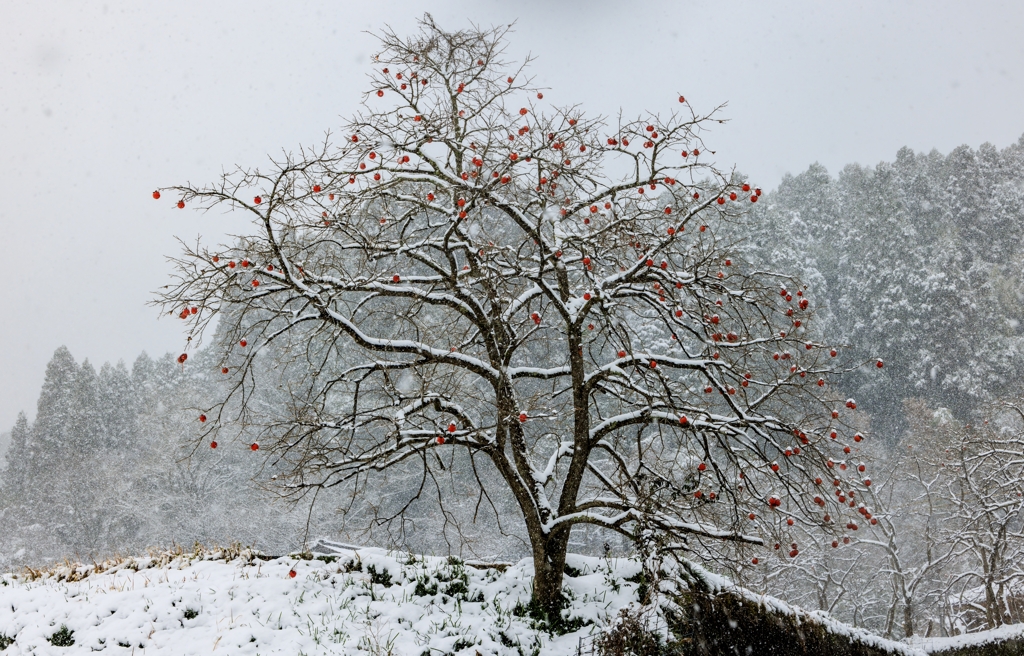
[(88, 423), (19, 453), (56, 410), (921, 260), (119, 408)]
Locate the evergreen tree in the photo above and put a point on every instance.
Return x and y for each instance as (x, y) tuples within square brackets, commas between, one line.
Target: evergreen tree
[(88, 424), (921, 260), (118, 407), (56, 410), (19, 454)]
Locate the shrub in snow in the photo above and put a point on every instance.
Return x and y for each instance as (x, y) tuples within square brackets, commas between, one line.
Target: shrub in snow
[(63, 637)]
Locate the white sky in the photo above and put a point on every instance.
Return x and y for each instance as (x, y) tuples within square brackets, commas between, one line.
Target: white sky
[(101, 103)]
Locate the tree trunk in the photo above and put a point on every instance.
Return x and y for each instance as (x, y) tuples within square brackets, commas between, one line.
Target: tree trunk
[(548, 572), (908, 617), (890, 617), (991, 605)]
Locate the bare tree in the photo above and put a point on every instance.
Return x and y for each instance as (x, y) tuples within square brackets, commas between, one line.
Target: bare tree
[(984, 479), (948, 510), (470, 269), (916, 533)]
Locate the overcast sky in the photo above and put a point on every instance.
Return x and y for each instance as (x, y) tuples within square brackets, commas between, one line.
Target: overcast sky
[(100, 103)]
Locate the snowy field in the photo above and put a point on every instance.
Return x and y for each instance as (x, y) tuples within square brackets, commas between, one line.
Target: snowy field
[(359, 601), (366, 602)]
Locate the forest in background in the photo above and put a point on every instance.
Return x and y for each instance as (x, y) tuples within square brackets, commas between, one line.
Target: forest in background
[(917, 262)]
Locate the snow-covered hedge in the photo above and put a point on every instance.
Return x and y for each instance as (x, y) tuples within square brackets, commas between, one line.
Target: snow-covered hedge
[(1007, 640), (712, 615)]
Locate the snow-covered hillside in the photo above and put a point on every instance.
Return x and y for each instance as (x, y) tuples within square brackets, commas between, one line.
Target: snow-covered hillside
[(340, 600), (365, 602)]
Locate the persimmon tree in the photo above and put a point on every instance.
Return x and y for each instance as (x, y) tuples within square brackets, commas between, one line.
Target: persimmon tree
[(466, 267)]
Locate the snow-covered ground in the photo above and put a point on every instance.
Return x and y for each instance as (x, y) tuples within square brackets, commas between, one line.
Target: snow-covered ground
[(361, 601), (366, 602)]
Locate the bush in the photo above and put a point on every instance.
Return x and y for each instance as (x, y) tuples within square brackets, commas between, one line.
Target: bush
[(631, 636), (5, 641), (64, 637), (383, 577), (425, 586)]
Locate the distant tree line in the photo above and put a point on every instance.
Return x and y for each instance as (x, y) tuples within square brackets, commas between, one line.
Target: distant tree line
[(920, 261), (110, 465), (106, 467)]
